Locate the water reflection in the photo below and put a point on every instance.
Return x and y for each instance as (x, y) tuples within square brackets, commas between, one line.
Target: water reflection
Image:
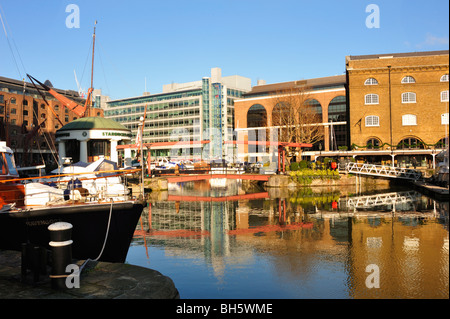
[(230, 240)]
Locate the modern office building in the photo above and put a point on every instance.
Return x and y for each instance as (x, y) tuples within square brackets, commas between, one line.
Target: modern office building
[(399, 106), (194, 111)]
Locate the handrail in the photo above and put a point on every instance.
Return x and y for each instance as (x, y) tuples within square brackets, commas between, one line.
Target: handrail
[(71, 174), (382, 171)]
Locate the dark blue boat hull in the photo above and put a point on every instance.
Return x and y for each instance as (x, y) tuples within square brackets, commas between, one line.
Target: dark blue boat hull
[(90, 224)]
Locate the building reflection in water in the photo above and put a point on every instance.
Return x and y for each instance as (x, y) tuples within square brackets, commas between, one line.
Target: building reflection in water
[(305, 234)]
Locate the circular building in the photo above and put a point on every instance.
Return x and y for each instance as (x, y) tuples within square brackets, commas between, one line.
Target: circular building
[(88, 138)]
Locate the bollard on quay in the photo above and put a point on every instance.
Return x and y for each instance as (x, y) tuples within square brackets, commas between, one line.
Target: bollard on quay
[(61, 246)]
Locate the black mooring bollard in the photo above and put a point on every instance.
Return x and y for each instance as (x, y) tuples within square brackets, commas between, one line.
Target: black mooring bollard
[(34, 259), (61, 245)]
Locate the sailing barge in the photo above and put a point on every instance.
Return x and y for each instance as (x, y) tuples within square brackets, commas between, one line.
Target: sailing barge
[(102, 226)]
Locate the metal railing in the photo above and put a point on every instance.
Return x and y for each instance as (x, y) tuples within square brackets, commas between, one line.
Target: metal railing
[(381, 171), (370, 201)]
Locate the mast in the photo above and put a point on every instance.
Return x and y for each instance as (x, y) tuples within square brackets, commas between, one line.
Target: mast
[(89, 105)]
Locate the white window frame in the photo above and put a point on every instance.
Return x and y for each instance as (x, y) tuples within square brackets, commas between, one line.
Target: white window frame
[(409, 120), (444, 96), (409, 97), (444, 119), (369, 99), (371, 81), (444, 78), (408, 79), (372, 121)]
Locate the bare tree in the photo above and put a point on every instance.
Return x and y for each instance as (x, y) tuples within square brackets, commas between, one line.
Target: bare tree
[(297, 118)]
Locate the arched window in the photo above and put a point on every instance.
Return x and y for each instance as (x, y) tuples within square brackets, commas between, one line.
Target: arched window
[(409, 119), (13, 101), (371, 81), (373, 143), (444, 96), (444, 78), (257, 116), (337, 109), (372, 120), (315, 105), (409, 97), (410, 143), (25, 103), (337, 112), (371, 99), (279, 114), (408, 79)]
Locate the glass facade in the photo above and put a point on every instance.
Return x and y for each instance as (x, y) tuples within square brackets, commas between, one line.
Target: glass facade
[(337, 112), (203, 113)]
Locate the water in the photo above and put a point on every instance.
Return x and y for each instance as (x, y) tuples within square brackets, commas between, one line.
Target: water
[(329, 243)]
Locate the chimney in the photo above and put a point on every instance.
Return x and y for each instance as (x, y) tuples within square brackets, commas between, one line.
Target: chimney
[(261, 82)]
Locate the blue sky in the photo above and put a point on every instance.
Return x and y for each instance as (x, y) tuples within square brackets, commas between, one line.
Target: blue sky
[(180, 41)]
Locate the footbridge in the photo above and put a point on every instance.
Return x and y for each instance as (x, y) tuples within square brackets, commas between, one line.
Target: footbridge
[(381, 171), (382, 199)]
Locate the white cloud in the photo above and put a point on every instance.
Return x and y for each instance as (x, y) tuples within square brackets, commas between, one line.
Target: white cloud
[(431, 40)]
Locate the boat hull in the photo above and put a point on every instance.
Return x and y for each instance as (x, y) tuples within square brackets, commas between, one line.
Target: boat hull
[(90, 225)]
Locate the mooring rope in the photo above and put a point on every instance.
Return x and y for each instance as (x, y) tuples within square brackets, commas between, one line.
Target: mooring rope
[(107, 231)]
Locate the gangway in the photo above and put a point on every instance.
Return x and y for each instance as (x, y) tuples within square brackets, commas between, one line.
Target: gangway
[(382, 171), (370, 201)]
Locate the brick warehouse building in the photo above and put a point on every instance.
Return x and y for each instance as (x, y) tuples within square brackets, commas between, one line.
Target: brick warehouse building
[(398, 106), (255, 111), (22, 110)]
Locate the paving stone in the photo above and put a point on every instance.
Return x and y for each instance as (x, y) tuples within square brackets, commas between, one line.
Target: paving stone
[(98, 280)]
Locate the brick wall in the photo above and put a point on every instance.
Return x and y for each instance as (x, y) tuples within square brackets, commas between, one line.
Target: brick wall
[(428, 108)]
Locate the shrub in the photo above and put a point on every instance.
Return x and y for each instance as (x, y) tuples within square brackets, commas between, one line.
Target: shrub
[(294, 166), (306, 176), (303, 164)]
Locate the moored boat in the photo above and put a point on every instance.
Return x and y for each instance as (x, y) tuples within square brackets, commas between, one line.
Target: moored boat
[(102, 226)]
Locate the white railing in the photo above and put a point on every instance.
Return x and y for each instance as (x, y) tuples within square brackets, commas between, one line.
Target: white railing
[(382, 171), (382, 199)]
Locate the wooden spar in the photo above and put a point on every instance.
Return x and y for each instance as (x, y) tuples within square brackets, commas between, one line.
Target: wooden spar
[(88, 105), (140, 134), (45, 100), (78, 109), (71, 105)]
